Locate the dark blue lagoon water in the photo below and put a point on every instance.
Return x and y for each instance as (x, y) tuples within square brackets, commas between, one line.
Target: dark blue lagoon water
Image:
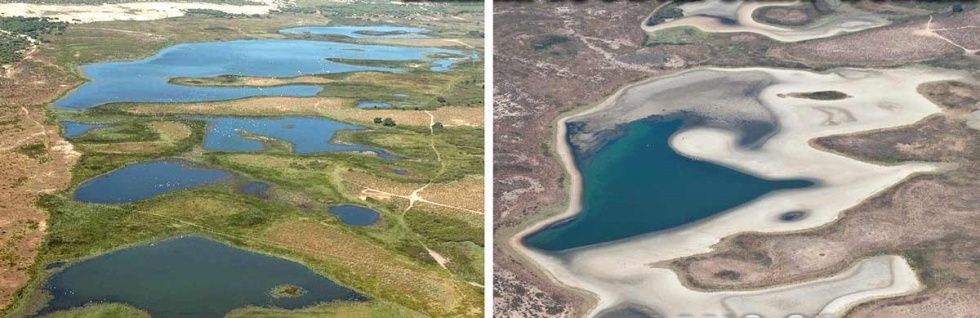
[(145, 180), (189, 276), (147, 80), (307, 135), (637, 184), (75, 129), (355, 215), (362, 32)]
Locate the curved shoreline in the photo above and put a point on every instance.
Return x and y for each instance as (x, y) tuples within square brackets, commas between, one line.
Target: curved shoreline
[(745, 23), (715, 146)]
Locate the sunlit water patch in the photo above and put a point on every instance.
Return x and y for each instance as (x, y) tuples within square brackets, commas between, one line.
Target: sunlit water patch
[(372, 105), (145, 180), (637, 184), (75, 129), (147, 80), (305, 135), (355, 215), (189, 276), (362, 32)]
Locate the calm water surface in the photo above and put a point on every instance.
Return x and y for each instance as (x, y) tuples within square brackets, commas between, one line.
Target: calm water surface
[(145, 180), (372, 105), (189, 276), (362, 32), (147, 80), (307, 135), (355, 215), (638, 184), (75, 129)]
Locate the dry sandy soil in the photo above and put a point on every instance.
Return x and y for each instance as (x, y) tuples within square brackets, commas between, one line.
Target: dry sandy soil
[(34, 160), (930, 218), (336, 108), (135, 11)]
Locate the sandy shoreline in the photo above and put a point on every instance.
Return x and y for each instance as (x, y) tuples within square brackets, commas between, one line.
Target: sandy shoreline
[(743, 15), (884, 98)]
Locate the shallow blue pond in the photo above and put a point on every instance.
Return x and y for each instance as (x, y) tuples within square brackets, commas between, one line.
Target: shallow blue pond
[(362, 32), (189, 276), (372, 105), (637, 184), (355, 215), (75, 129), (141, 181), (307, 135), (147, 80), (256, 189)]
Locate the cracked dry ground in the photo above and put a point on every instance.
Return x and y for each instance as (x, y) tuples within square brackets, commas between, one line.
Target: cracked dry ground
[(559, 57), (932, 219), (34, 159)]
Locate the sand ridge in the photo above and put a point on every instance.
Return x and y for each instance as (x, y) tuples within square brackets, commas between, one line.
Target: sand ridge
[(134, 11)]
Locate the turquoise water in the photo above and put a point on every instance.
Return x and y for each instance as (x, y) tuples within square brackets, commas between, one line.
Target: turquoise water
[(146, 80), (362, 32), (188, 277), (145, 180), (355, 215), (307, 135), (637, 184), (75, 129)]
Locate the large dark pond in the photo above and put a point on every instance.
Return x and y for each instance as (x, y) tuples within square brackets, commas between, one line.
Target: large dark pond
[(189, 276)]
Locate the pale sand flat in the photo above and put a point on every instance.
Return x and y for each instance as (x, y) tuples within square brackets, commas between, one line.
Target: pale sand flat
[(742, 13), (619, 272)]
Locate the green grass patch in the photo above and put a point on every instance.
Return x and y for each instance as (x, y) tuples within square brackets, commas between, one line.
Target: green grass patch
[(676, 35), (101, 310)]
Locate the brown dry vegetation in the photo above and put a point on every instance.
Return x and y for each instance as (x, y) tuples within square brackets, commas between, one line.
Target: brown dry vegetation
[(336, 108), (899, 44), (327, 244), (933, 219), (34, 160)]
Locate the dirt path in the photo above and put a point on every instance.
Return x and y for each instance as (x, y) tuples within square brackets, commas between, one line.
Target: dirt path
[(928, 30)]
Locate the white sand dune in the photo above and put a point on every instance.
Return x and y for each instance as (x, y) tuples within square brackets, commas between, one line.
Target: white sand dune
[(134, 11), (620, 273), (702, 15)]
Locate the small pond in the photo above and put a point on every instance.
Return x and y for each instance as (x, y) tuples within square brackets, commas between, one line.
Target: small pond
[(372, 105), (141, 181), (74, 129), (355, 215)]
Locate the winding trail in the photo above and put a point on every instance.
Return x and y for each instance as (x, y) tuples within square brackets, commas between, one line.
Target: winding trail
[(928, 30)]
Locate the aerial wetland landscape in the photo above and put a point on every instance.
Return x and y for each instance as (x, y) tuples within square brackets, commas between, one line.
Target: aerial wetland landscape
[(736, 159), (241, 159)]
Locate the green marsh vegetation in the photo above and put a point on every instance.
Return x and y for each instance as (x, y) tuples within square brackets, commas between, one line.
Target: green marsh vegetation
[(16, 34), (387, 261)]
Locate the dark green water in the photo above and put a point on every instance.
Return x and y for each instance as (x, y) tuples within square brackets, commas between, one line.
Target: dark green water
[(188, 276), (637, 184)]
